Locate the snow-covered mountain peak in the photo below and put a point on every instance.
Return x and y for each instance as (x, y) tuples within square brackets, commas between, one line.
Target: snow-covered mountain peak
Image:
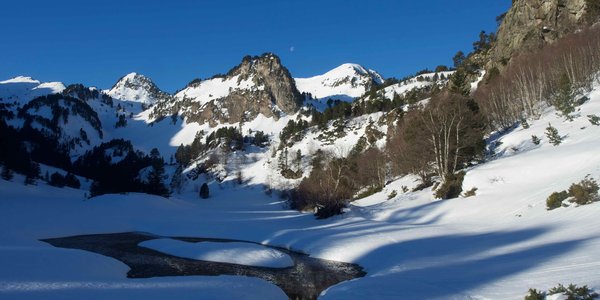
[(138, 88), (22, 89), (345, 82), (21, 79)]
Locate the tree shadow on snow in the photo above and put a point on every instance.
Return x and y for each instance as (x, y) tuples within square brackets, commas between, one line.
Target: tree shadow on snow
[(450, 265)]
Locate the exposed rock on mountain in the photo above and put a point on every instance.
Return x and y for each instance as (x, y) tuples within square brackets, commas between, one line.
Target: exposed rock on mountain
[(137, 88), (259, 85), (530, 24)]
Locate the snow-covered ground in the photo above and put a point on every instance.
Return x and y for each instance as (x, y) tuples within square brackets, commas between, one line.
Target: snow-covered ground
[(230, 252), (495, 245)]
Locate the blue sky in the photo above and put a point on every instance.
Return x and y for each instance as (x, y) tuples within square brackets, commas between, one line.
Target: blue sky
[(95, 42)]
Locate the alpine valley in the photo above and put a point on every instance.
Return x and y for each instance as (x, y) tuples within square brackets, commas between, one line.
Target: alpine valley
[(472, 181)]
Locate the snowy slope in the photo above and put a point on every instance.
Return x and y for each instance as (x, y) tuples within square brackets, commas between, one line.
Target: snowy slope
[(495, 245), (22, 89), (345, 82), (416, 82)]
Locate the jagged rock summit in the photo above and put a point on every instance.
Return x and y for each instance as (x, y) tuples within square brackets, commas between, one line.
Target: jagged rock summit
[(137, 88), (530, 24), (259, 85)]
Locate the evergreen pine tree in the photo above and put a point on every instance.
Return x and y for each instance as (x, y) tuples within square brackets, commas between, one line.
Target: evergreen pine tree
[(32, 173), (564, 98), (204, 192), (459, 83), (7, 173), (155, 183), (553, 136)]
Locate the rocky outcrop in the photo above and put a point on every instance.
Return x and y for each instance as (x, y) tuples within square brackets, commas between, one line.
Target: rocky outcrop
[(530, 24), (267, 71), (137, 88), (259, 85)]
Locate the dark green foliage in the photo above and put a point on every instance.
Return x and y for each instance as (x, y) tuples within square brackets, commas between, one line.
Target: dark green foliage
[(292, 132), (534, 294), (368, 192), (451, 187), (484, 43), (7, 174), (553, 135), (573, 292), (155, 184), (32, 173), (555, 200), (72, 181), (122, 122), (441, 68), (584, 192), (186, 153), (57, 180), (204, 192), (536, 140), (119, 177), (459, 83), (72, 106), (260, 139), (595, 120), (458, 59), (564, 98), (392, 195), (228, 138)]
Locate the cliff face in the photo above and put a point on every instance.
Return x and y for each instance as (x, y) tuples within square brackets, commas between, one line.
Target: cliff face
[(258, 85), (530, 24)]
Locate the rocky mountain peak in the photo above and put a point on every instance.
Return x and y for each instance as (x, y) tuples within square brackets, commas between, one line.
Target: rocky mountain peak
[(258, 85), (138, 88), (530, 24)]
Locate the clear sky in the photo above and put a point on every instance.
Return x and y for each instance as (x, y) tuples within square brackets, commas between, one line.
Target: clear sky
[(95, 42)]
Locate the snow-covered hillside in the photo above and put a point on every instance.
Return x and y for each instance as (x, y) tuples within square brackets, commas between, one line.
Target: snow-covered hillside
[(23, 89), (345, 82), (495, 245)]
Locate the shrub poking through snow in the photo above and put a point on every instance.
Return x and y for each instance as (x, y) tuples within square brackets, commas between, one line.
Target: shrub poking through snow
[(204, 192), (451, 187), (534, 294), (470, 193), (392, 194), (574, 292), (536, 140), (584, 192), (555, 200), (595, 120), (553, 136)]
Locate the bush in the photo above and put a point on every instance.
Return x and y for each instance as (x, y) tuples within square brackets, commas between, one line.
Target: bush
[(573, 292), (451, 187), (470, 193), (7, 173), (392, 194), (595, 120), (57, 180), (584, 192), (204, 192), (555, 200), (536, 140), (534, 294)]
